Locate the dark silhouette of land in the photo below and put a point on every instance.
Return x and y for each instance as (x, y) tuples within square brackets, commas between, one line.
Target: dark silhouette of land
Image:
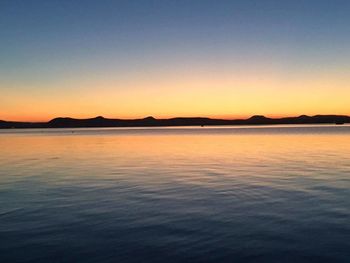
[(152, 122)]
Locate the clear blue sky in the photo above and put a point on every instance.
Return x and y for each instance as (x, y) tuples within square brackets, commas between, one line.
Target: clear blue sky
[(167, 58)]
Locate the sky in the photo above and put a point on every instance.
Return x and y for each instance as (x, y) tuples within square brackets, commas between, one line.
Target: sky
[(132, 59)]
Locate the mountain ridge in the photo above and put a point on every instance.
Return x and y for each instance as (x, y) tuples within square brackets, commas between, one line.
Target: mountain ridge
[(100, 121)]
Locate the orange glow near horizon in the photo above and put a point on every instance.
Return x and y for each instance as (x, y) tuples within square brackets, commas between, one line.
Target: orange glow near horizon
[(228, 95)]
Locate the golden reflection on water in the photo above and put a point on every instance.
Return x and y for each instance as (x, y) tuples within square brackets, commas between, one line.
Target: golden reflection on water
[(230, 149)]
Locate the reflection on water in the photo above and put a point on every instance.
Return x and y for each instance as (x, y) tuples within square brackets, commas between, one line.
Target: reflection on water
[(279, 194)]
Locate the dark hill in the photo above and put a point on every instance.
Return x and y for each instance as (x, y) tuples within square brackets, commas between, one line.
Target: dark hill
[(180, 121)]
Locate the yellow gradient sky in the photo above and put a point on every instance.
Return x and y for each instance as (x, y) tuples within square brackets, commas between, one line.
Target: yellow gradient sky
[(231, 59)]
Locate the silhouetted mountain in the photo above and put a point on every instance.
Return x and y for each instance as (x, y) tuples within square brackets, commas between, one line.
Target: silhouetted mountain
[(180, 121), (258, 119)]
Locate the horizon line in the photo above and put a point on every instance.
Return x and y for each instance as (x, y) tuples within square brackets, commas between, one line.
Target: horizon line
[(182, 117)]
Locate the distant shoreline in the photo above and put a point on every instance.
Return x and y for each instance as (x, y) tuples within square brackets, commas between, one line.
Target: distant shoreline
[(100, 122)]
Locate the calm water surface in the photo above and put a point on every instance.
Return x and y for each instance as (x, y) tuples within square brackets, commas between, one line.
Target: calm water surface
[(264, 194)]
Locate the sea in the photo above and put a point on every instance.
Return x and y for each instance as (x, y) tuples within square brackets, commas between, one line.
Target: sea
[(176, 194)]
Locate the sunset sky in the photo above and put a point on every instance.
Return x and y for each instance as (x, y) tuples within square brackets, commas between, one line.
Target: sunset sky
[(131, 59)]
